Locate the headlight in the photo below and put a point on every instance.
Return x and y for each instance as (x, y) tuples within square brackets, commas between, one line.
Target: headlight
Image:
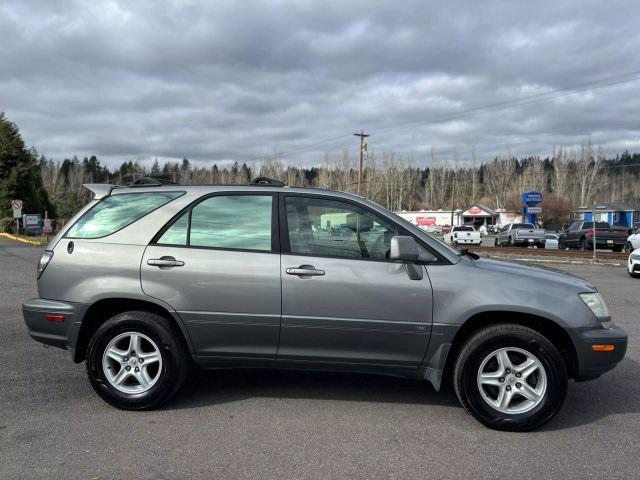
[(45, 258), (634, 256), (595, 303)]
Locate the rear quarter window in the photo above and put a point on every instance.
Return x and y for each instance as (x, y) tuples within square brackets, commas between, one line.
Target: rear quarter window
[(118, 211)]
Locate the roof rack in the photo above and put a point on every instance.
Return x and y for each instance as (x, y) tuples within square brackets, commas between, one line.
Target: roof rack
[(266, 182), (150, 182)]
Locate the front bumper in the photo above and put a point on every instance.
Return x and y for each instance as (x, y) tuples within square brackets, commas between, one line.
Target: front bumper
[(592, 364), (52, 322)]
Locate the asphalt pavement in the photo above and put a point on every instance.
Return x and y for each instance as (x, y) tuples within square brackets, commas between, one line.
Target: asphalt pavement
[(270, 424)]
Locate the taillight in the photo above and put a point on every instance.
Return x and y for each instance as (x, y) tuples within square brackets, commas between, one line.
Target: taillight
[(590, 233), (45, 258), (54, 318)]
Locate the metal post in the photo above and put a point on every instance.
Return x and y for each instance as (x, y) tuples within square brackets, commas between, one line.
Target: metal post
[(593, 215)]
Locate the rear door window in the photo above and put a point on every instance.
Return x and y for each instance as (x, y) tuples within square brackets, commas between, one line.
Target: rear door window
[(232, 221), (118, 211), (237, 222)]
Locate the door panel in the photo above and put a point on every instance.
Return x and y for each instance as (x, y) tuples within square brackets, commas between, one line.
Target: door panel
[(357, 307), (229, 300), (357, 312)]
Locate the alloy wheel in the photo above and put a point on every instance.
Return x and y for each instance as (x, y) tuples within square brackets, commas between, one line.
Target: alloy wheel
[(132, 362), (512, 380)]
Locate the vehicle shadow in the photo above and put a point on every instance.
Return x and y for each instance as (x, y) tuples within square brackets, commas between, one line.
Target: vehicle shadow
[(211, 387), (616, 392)]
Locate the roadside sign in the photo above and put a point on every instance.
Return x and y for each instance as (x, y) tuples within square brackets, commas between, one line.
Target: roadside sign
[(46, 226), (534, 210), (17, 213), (16, 204)]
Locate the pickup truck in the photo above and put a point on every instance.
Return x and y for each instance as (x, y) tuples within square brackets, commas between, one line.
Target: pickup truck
[(463, 235), (520, 235), (580, 235)]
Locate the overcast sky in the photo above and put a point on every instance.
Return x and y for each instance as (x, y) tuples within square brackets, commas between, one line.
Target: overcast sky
[(218, 80)]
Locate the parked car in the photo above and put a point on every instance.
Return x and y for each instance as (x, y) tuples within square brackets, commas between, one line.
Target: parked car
[(463, 235), (145, 281), (633, 265), (633, 241), (551, 240), (520, 235), (580, 235)]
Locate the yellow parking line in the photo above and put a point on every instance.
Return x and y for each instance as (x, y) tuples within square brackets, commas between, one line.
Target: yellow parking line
[(23, 240)]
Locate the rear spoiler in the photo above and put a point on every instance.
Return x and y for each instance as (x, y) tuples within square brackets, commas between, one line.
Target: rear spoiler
[(99, 190)]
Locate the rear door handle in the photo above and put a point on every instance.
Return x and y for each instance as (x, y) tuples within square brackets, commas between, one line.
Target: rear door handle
[(165, 262), (304, 271)]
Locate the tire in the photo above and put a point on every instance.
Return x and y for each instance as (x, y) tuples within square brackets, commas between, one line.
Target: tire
[(159, 341), (617, 248), (550, 377), (583, 245)]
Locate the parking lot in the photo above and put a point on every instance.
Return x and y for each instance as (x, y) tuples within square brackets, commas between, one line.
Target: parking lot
[(269, 424)]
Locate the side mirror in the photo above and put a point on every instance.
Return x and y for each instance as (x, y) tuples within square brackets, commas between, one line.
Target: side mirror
[(403, 249)]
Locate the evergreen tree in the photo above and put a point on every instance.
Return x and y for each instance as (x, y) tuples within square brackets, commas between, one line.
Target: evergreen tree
[(19, 172)]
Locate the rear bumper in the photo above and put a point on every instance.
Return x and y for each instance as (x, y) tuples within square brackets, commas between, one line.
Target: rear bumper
[(593, 364), (53, 331), (463, 241), (529, 241), (606, 243)]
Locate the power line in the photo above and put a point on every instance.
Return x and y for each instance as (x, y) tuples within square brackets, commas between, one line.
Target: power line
[(527, 100), (522, 101)]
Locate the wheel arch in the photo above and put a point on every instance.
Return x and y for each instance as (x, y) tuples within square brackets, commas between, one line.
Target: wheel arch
[(102, 310), (554, 332)]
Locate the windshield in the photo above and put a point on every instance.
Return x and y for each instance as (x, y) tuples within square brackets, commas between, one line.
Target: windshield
[(604, 225), (523, 225), (465, 228)]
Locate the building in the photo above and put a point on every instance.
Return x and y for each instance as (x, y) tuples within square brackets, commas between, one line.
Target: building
[(477, 214), (614, 213)]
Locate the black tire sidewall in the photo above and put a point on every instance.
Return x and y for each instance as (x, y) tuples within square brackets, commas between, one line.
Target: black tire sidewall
[(554, 369), (169, 376)]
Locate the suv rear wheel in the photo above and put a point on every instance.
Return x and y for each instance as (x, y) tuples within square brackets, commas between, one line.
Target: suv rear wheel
[(135, 360), (510, 377)]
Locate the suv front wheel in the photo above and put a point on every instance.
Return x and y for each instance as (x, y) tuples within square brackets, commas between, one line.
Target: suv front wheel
[(510, 377), (135, 360)]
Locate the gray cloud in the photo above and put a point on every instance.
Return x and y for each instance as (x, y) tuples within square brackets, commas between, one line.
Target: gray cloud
[(217, 81)]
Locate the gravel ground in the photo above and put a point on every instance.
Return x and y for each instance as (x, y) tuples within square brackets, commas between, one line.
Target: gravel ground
[(269, 424)]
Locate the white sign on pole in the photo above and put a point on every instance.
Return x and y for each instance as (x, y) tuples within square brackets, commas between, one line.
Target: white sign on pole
[(17, 213), (46, 227)]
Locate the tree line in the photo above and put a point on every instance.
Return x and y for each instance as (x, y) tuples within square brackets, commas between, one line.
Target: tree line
[(567, 177)]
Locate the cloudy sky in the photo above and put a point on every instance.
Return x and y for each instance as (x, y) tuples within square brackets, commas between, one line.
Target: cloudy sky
[(225, 80)]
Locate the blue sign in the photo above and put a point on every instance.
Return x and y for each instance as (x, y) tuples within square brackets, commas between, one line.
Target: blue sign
[(531, 198), (530, 205)]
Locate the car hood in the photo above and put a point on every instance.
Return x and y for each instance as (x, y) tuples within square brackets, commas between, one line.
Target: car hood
[(545, 274)]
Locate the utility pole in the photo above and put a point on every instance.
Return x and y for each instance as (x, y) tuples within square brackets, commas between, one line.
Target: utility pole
[(593, 215), (363, 148)]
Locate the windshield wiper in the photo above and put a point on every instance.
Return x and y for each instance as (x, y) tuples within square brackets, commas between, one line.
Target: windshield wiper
[(465, 252)]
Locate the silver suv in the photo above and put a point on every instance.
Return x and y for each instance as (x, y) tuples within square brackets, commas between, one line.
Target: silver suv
[(147, 280)]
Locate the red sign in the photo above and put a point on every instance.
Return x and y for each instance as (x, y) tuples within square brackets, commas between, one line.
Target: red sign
[(425, 221), (475, 211)]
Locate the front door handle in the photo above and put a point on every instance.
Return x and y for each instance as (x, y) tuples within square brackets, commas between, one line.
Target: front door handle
[(304, 271), (165, 262)]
